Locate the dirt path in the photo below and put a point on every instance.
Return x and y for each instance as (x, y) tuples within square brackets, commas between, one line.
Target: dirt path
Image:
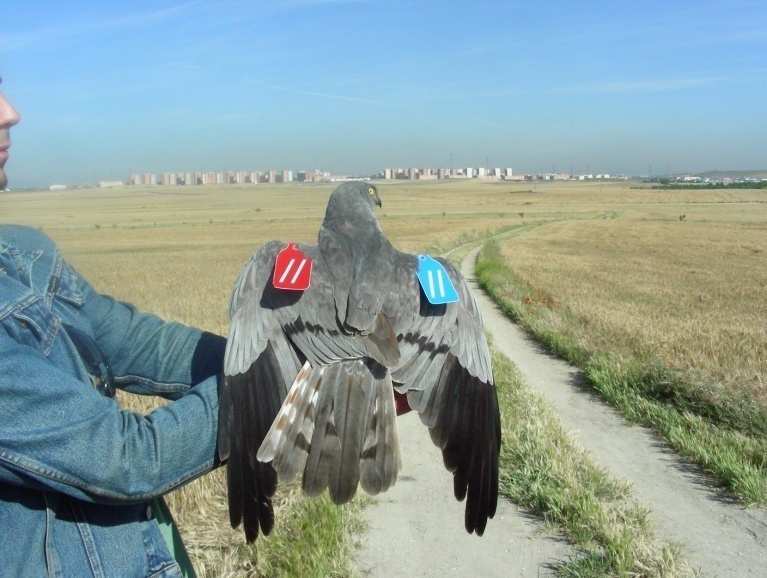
[(721, 539), (416, 528)]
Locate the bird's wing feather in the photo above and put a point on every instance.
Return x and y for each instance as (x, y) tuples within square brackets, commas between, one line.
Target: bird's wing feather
[(258, 363), (446, 371), (271, 334)]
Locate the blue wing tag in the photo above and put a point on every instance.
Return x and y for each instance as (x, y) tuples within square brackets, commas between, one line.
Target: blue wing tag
[(435, 281)]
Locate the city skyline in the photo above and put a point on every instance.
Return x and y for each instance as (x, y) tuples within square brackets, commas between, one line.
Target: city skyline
[(303, 176), (108, 90), (318, 176)]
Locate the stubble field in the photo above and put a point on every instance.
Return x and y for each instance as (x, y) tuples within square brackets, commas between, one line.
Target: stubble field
[(677, 274), (691, 291), (661, 301), (176, 252)]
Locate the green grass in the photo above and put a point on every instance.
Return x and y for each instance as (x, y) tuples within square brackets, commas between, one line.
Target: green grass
[(313, 540), (542, 470), (726, 438)]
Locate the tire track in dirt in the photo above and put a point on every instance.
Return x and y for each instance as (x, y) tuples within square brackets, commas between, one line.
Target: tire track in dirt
[(718, 536)]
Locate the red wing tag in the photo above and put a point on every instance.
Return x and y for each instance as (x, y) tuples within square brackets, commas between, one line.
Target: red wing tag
[(292, 269)]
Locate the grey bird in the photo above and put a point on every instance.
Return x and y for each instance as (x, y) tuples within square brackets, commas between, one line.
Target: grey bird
[(310, 377)]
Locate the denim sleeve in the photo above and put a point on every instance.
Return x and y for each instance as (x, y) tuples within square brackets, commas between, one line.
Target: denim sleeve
[(58, 433), (147, 354)]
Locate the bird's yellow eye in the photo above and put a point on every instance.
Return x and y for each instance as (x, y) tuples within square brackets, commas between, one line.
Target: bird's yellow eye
[(371, 191)]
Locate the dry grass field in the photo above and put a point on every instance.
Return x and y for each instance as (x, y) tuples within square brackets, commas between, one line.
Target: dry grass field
[(619, 258), (692, 292), (661, 300), (176, 252)]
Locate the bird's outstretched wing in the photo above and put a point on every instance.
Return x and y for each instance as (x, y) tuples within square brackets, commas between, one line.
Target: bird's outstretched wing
[(259, 365), (272, 333), (447, 375)]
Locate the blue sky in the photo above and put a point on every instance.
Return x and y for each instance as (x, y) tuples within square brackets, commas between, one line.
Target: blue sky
[(106, 89)]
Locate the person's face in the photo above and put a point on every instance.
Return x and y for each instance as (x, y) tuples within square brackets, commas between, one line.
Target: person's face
[(8, 117)]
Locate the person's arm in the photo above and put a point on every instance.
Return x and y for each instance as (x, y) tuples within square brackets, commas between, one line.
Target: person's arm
[(59, 434), (147, 354)]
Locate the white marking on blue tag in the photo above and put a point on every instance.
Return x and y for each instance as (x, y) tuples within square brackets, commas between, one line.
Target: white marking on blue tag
[(435, 281)]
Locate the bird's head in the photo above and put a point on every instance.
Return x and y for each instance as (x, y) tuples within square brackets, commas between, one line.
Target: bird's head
[(352, 208), (350, 194), (373, 196)]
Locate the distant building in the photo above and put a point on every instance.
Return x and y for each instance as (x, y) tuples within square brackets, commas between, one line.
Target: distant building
[(57, 188), (110, 184), (316, 175), (169, 179)]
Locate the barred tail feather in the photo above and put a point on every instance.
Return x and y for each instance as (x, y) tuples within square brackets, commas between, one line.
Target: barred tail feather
[(381, 459), (338, 424), (286, 444)]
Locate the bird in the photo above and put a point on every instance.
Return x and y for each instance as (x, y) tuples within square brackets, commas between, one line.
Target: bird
[(311, 376)]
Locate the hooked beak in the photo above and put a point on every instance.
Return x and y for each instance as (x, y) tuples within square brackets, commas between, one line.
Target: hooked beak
[(378, 200)]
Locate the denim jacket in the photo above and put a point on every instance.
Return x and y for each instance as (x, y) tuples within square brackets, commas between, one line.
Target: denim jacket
[(76, 471)]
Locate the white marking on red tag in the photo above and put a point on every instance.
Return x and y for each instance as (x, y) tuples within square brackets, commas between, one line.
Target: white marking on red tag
[(292, 269)]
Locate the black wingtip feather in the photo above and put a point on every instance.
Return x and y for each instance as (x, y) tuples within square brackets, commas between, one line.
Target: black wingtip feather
[(469, 430), (250, 402)]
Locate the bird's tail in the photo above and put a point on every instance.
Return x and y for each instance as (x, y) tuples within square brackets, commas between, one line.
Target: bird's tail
[(338, 425)]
